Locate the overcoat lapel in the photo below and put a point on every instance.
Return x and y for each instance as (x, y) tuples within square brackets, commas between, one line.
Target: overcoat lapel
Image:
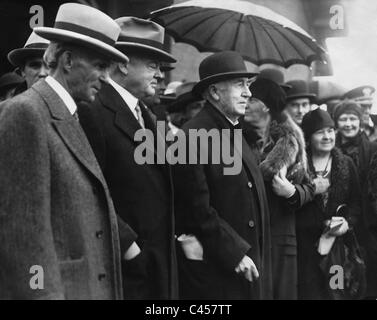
[(69, 129), (124, 118)]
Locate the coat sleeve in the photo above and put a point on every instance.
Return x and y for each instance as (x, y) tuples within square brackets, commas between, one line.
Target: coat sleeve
[(354, 199), (195, 215), (26, 236)]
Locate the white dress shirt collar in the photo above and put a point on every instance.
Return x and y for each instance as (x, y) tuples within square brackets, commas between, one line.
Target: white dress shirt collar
[(127, 97), (63, 94)]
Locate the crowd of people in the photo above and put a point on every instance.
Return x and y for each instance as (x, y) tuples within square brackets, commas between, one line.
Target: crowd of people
[(101, 225)]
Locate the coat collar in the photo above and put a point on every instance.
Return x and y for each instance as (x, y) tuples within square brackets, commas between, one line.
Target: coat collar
[(68, 128)]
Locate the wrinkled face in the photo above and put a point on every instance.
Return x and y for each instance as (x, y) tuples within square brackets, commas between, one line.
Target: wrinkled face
[(297, 108), (88, 72), (348, 125), (232, 96), (33, 70), (323, 140), (143, 76), (256, 113)]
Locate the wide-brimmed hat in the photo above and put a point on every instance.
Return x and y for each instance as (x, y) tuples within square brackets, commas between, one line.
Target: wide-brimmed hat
[(35, 46), (299, 89), (142, 35), (276, 76), (221, 66), (87, 27), (184, 96), (9, 80)]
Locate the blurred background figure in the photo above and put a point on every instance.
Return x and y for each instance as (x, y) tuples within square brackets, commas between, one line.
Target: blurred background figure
[(29, 60), (185, 106), (299, 100), (276, 76), (328, 93), (8, 84)]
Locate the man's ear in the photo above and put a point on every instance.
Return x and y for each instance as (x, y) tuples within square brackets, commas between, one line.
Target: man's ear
[(213, 92), (67, 60), (122, 66)]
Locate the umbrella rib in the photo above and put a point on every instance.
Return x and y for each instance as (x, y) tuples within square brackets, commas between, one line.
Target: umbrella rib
[(271, 38), (255, 39), (215, 31), (286, 38)]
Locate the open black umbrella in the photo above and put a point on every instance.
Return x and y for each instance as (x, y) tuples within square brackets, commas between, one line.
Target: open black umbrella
[(259, 34)]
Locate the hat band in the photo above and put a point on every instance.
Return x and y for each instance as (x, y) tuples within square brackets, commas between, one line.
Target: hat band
[(39, 45), (85, 31), (152, 43)]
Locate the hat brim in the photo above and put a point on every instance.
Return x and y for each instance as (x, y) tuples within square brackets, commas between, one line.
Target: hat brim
[(310, 96), (55, 34), (161, 54), (17, 57), (198, 89)]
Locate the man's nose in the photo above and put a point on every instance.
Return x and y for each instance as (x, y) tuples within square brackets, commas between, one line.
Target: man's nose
[(247, 92), (43, 72), (158, 73)]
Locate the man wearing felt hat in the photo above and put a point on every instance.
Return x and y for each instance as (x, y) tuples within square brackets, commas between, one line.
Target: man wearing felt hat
[(222, 220), (29, 60), (142, 193), (299, 100), (8, 84), (56, 212)]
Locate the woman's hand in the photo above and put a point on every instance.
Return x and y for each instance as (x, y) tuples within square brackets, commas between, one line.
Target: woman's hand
[(339, 231), (281, 186)]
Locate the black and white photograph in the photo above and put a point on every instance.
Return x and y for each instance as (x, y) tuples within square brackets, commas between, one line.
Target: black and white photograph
[(188, 154)]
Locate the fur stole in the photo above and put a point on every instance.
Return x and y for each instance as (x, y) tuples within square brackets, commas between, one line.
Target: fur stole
[(287, 148)]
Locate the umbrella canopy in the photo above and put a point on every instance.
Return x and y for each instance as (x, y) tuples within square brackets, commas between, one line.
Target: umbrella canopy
[(259, 34)]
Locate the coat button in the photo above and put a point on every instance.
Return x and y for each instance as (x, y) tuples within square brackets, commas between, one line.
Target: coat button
[(251, 224), (250, 185), (101, 276), (99, 234)]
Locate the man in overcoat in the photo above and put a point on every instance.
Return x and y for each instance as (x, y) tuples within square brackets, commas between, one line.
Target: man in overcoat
[(142, 192), (58, 229), (222, 216)]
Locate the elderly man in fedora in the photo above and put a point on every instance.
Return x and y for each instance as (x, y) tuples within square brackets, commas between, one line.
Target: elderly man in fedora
[(29, 60), (299, 100), (142, 193), (222, 219), (58, 229)]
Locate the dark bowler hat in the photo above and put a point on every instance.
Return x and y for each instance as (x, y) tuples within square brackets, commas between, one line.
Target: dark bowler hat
[(143, 35), (276, 76), (299, 89), (87, 27), (316, 120), (35, 46), (9, 80), (221, 66), (362, 95)]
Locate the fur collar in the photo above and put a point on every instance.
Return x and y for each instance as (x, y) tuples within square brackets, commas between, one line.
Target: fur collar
[(286, 148)]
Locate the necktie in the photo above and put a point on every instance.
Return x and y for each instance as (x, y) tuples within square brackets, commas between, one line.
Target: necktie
[(139, 116)]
